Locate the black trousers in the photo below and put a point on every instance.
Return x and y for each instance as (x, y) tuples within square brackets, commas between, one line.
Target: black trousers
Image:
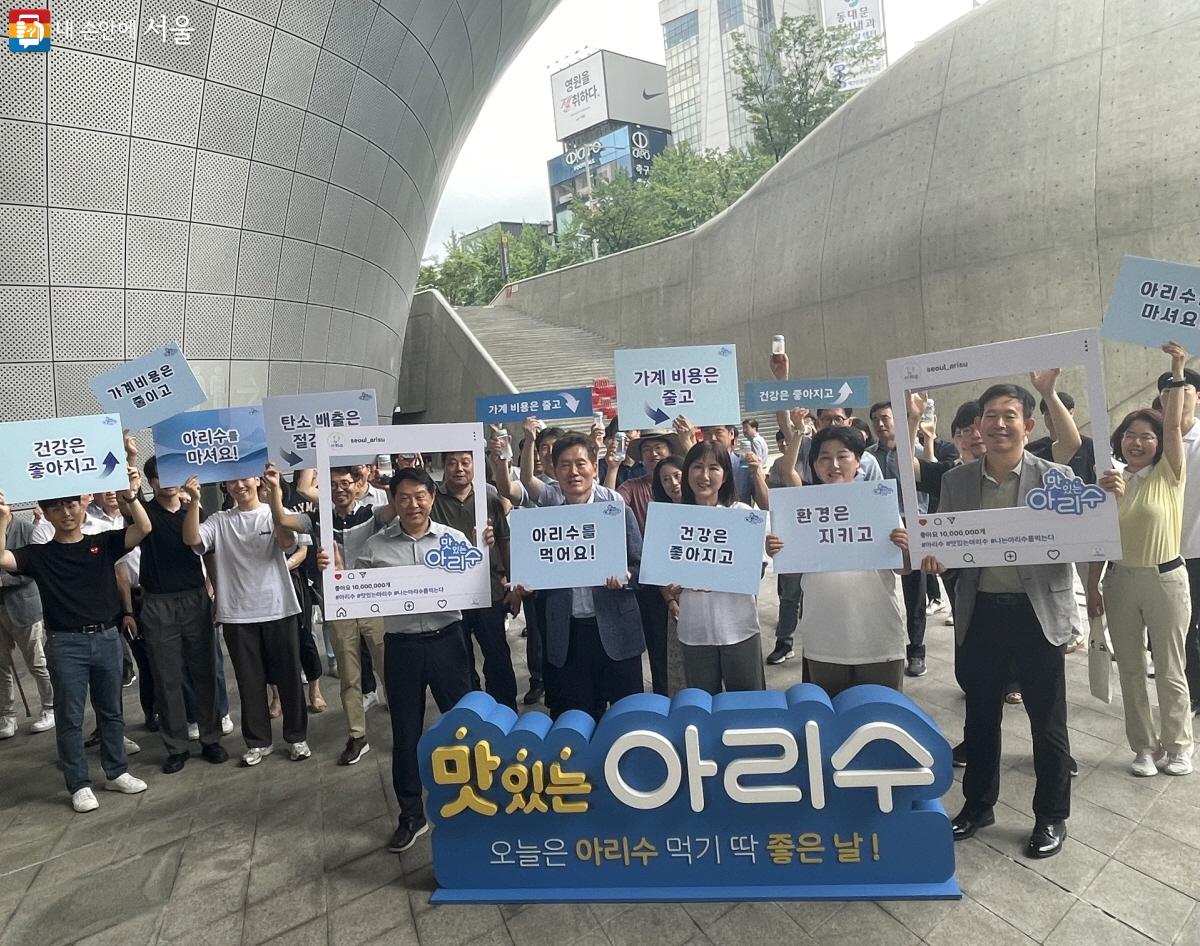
[(412, 663), (590, 680), (262, 653), (913, 586), (1004, 632), (534, 644), (654, 627), (178, 632), (551, 675), (310, 658), (141, 657), (1191, 645), (486, 625)]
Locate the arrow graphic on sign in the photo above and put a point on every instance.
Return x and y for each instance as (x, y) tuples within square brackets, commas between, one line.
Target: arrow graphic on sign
[(656, 414), (572, 401), (844, 392), (291, 458), (110, 464)]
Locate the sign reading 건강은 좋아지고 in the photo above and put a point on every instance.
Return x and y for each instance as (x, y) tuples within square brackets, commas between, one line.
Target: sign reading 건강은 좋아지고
[(814, 393), (1065, 519), (148, 390), (577, 545), (1154, 302), (708, 548), (214, 446), (61, 456), (553, 404), (836, 527), (453, 576), (292, 421), (656, 384), (767, 795)]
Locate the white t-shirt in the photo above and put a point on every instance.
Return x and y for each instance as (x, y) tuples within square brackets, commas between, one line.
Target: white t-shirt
[(1190, 546), (253, 584), (853, 617), (717, 618)]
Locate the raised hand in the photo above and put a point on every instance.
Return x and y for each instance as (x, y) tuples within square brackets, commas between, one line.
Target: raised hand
[(1043, 381), (780, 367), (192, 489)]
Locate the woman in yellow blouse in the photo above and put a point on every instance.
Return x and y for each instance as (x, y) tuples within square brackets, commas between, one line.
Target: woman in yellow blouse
[(1147, 591)]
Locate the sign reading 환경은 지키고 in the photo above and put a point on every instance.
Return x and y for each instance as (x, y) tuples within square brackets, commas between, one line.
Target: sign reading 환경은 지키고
[(838, 527), (577, 545), (1154, 302), (551, 404), (708, 548), (213, 445), (61, 456), (765, 795), (656, 384), (148, 390), (451, 575), (292, 420)]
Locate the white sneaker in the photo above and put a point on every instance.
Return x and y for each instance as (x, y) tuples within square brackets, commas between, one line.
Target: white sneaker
[(226, 726), (84, 800), (371, 699), (1150, 667), (43, 722), (1143, 766), (193, 731), (1178, 763), (131, 747), (300, 751), (8, 727), (256, 754), (126, 784)]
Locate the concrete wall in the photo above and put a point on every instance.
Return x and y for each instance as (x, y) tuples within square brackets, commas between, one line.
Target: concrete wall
[(985, 187), (444, 368)]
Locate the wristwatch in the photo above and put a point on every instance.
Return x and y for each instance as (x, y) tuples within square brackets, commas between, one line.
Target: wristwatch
[(1176, 383)]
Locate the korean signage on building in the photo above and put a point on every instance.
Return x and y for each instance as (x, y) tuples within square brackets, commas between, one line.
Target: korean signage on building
[(865, 18), (765, 795), (606, 85)]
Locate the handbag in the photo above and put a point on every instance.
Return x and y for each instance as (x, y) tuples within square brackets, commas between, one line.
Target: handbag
[(1099, 661)]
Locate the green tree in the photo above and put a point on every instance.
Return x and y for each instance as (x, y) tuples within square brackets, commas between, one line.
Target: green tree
[(793, 82)]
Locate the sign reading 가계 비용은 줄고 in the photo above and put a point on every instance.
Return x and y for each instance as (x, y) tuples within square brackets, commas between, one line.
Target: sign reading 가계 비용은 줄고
[(453, 576), (656, 384), (760, 795)]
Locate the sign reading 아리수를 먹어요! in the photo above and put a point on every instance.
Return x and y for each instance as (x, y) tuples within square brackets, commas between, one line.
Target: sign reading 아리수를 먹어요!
[(765, 795)]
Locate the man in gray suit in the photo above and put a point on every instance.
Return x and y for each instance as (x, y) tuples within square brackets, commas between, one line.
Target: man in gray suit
[(593, 635), (1013, 615), (21, 628)]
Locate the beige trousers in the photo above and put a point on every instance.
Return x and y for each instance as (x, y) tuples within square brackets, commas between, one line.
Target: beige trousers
[(27, 638), (1140, 601), (344, 635)]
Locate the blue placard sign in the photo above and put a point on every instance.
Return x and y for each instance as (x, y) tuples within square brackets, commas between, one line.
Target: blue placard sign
[(813, 393), (1154, 302), (836, 527), (553, 404), (571, 546), (61, 456), (656, 384), (149, 389), (225, 444), (767, 795), (292, 420), (709, 548)]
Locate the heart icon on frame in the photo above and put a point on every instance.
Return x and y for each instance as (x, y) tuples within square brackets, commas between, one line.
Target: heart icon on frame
[(442, 604), (337, 576), (1053, 554), (922, 521)]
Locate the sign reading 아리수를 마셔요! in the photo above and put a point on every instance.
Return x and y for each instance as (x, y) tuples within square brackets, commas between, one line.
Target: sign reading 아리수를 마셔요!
[(292, 421), (656, 384), (214, 446), (1154, 302), (61, 456), (764, 795)]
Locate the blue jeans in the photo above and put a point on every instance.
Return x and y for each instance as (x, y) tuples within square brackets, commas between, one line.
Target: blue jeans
[(77, 662), (791, 600)]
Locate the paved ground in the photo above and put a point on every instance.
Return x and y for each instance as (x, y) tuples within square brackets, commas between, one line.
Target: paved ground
[(293, 853)]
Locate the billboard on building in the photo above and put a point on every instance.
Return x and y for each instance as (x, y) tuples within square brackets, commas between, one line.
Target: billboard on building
[(606, 86), (865, 18)]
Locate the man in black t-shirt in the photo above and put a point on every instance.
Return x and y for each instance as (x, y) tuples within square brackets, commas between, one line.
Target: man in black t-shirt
[(177, 624), (75, 576)]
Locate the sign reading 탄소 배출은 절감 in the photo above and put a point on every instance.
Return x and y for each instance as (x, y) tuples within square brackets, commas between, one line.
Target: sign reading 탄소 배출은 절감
[(767, 795), (292, 421)]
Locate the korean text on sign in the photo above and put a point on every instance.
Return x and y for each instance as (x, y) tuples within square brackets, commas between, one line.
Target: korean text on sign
[(60, 457), (149, 389), (571, 546), (292, 421), (213, 446), (658, 383), (836, 527), (1154, 302), (708, 548)]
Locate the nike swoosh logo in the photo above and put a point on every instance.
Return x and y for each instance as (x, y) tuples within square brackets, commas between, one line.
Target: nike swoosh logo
[(651, 95)]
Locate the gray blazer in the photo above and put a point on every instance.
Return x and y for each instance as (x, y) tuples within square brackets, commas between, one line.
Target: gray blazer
[(1050, 587), (19, 594), (617, 614)]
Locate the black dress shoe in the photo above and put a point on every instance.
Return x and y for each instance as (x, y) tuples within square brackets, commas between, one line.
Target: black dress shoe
[(966, 823), (152, 723), (1047, 839), (175, 762), (960, 755), (534, 696), (214, 752)]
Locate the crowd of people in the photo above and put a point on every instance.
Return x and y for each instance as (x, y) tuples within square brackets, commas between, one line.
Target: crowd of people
[(99, 592)]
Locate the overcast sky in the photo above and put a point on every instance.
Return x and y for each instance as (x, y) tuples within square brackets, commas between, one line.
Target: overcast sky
[(501, 172)]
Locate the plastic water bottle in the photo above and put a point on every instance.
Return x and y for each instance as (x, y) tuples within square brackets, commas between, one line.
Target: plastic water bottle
[(505, 444), (930, 411), (777, 345), (619, 447)]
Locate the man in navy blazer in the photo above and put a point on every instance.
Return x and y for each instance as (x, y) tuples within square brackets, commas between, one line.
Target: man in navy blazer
[(593, 635)]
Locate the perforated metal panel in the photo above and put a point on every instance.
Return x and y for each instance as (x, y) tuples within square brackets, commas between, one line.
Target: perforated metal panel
[(318, 142), (22, 87), (88, 169), (220, 193), (283, 377), (160, 178), (316, 332), (239, 51), (252, 318), (86, 249), (26, 390), (166, 106), (265, 10), (304, 208), (190, 58), (277, 138), (157, 253), (287, 331), (30, 305), (295, 269), (88, 323), (258, 264), (331, 87), (267, 198), (23, 236), (208, 326), (22, 148), (153, 319), (290, 71), (227, 120), (89, 91), (212, 258), (307, 18)]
